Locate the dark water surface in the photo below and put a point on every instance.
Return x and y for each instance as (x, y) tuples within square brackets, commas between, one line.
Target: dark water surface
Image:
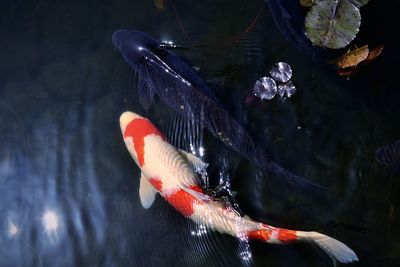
[(69, 189)]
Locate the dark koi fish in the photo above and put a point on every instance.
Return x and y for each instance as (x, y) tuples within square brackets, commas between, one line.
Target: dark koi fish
[(179, 87)]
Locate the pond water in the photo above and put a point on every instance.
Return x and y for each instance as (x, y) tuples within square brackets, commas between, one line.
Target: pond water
[(69, 188)]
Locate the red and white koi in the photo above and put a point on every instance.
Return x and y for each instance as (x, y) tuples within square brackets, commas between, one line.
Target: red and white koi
[(171, 173)]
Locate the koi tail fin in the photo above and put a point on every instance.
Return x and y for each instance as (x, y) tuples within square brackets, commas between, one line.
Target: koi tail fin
[(334, 248)]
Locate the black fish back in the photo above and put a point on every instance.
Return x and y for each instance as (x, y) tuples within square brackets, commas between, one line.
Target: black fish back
[(188, 95)]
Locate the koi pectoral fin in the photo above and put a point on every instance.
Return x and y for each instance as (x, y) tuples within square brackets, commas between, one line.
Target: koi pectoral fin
[(147, 192)]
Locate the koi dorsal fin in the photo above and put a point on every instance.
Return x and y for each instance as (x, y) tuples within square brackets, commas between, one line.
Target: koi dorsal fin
[(147, 192), (145, 90), (197, 194), (196, 162)]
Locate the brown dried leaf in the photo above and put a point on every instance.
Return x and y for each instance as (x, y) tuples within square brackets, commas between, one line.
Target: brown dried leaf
[(350, 70), (352, 58), (374, 53), (347, 72)]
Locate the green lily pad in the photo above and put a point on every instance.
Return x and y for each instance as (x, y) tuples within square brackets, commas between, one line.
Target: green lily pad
[(333, 23), (308, 3), (359, 3)]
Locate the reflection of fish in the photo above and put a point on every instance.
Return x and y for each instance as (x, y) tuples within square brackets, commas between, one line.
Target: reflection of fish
[(389, 156), (170, 172), (179, 86)]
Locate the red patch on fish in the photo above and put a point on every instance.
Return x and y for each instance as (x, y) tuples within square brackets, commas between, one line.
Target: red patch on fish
[(263, 235), (196, 188), (183, 202), (286, 236), (157, 183), (138, 129)]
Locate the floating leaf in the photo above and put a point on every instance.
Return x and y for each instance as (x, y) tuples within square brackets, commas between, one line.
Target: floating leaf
[(347, 73), (281, 72), (352, 58), (265, 88), (280, 83), (359, 3), (351, 62), (308, 3), (287, 89), (374, 53), (333, 23)]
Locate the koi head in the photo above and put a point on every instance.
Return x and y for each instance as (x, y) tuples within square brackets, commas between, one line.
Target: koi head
[(135, 129), (133, 44), (126, 118), (124, 121)]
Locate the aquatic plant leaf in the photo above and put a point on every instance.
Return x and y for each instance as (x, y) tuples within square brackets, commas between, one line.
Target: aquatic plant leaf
[(351, 62), (374, 53), (281, 72), (352, 58), (332, 23), (287, 89), (308, 3), (288, 16), (359, 3), (347, 72), (265, 88)]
